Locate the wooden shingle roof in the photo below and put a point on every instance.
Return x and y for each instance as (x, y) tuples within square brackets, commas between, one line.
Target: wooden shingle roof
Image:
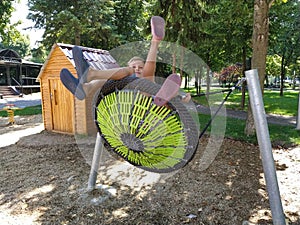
[(97, 58)]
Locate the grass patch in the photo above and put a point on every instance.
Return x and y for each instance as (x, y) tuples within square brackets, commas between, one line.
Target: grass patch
[(31, 110), (273, 102), (279, 134)]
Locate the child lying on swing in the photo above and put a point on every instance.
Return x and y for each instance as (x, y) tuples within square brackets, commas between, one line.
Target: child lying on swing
[(90, 79)]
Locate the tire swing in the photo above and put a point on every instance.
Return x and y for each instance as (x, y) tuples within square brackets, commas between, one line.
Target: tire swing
[(155, 138)]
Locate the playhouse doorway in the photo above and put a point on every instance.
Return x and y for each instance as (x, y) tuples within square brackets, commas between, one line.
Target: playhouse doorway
[(62, 107)]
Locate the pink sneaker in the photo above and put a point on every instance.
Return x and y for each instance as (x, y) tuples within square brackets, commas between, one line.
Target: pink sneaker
[(158, 27), (168, 90)]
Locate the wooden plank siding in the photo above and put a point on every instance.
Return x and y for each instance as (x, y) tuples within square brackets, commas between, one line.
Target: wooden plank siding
[(46, 107), (62, 107), (62, 112), (80, 117), (90, 120), (57, 101)]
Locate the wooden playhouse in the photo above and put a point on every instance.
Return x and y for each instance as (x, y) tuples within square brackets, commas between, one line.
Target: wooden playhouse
[(62, 112)]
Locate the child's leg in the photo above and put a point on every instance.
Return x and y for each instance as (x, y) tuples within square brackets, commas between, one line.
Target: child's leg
[(150, 64), (86, 73), (72, 84), (158, 33), (168, 90), (93, 86), (113, 74)]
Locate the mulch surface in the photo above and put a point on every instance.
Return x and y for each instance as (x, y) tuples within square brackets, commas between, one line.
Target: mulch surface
[(44, 179)]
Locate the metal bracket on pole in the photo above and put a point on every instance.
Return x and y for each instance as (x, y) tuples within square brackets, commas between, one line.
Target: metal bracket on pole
[(265, 146)]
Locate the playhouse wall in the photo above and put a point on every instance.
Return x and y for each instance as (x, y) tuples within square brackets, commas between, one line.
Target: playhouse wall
[(82, 116), (84, 113), (46, 104), (51, 71), (90, 120)]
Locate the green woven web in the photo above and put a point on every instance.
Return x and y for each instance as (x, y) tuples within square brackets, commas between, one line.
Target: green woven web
[(141, 132)]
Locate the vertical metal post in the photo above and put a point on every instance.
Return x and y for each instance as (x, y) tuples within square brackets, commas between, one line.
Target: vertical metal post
[(298, 117), (95, 163), (265, 146)]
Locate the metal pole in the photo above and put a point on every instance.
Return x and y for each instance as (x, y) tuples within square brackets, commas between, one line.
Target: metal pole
[(95, 163), (265, 146), (298, 117)]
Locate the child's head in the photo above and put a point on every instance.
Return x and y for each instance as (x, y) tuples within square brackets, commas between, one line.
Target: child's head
[(137, 64)]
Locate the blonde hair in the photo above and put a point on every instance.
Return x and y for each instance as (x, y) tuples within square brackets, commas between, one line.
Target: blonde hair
[(134, 59)]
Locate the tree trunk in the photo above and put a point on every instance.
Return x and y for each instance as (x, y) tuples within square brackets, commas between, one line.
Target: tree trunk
[(243, 84), (282, 75), (260, 47), (197, 82), (77, 38), (207, 82)]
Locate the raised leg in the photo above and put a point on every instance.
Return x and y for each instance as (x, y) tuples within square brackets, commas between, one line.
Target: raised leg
[(168, 90), (72, 84), (81, 64), (158, 33)]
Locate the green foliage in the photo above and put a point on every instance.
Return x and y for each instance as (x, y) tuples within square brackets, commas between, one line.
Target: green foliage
[(129, 21), (39, 54), (285, 27), (231, 37), (87, 22), (189, 32), (10, 37), (209, 31), (14, 40), (98, 24), (6, 9), (285, 35), (273, 65), (217, 31)]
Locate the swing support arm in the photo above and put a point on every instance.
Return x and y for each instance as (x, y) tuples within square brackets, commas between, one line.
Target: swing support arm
[(265, 146)]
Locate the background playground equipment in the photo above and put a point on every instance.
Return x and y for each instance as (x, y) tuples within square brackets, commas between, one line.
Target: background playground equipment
[(10, 113)]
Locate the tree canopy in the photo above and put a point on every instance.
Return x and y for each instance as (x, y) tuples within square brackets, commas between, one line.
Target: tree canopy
[(10, 37), (220, 32), (99, 24), (285, 37), (6, 9)]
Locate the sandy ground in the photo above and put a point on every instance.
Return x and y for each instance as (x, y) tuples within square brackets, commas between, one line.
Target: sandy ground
[(43, 178)]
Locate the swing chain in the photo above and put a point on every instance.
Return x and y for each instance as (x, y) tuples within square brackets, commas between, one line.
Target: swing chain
[(239, 83), (221, 105)]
